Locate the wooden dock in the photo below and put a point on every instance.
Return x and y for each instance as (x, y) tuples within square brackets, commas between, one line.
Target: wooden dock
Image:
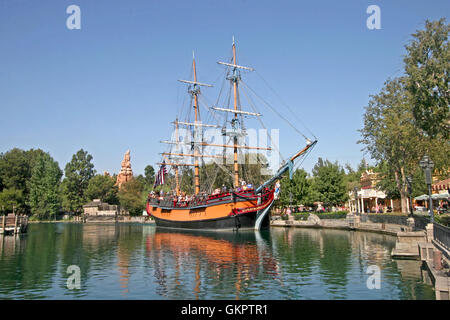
[(13, 224)]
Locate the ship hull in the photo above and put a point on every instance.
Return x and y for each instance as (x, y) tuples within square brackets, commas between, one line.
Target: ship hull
[(241, 213), (242, 222)]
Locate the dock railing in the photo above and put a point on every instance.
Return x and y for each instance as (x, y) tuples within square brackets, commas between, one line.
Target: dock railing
[(441, 234), (13, 224)]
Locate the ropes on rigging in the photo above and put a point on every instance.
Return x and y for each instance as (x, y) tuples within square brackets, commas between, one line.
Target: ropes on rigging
[(276, 112), (285, 104)]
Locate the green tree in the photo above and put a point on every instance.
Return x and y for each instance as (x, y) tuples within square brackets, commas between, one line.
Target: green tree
[(15, 171), (102, 187), (427, 65), (329, 182), (352, 177), (44, 197), (149, 175), (392, 139), (77, 172), (130, 197), (297, 191), (9, 198), (390, 136)]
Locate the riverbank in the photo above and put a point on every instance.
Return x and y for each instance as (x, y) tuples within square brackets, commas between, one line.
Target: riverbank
[(341, 224), (144, 220)]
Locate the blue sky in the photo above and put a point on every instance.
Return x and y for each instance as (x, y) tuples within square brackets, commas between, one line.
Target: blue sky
[(111, 86)]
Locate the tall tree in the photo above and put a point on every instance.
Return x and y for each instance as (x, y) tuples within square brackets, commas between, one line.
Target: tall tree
[(297, 191), (392, 139), (44, 194), (390, 136), (149, 172), (131, 198), (427, 66), (329, 182), (15, 171), (77, 173)]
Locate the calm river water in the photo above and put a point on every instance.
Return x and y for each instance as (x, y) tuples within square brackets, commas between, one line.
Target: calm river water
[(133, 261)]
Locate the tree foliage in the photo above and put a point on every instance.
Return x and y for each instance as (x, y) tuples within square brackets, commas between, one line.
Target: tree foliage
[(102, 187), (10, 197), (329, 184), (130, 197), (297, 191), (149, 172), (44, 197), (410, 116), (78, 172), (427, 65)]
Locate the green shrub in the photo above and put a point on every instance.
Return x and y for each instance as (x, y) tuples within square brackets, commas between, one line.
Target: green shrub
[(443, 219), (333, 215), (323, 215), (301, 216)]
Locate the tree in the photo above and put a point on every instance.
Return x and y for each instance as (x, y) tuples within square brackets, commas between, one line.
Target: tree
[(149, 175), (329, 182), (78, 172), (352, 178), (15, 171), (297, 191), (9, 198), (130, 197), (427, 65), (102, 187), (44, 195), (392, 139)]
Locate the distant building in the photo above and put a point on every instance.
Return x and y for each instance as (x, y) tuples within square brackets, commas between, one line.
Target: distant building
[(370, 196), (98, 208), (441, 187)]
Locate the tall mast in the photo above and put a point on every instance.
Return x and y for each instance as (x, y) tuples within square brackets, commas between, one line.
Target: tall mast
[(236, 130), (235, 120), (196, 124), (195, 92), (177, 181)]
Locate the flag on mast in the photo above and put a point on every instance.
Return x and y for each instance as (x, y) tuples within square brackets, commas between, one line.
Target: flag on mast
[(160, 176)]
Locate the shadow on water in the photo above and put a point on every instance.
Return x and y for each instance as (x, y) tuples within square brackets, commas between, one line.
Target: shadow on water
[(135, 261)]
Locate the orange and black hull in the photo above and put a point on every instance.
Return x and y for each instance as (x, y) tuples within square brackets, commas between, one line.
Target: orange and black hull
[(224, 212)]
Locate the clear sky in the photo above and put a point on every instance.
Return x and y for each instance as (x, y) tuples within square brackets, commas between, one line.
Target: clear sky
[(111, 86)]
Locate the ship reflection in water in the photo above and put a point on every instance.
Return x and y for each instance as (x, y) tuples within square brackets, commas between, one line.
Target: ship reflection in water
[(206, 261), (135, 261)]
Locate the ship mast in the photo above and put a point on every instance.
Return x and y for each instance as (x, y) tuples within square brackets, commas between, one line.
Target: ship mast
[(177, 179), (234, 79), (195, 92)]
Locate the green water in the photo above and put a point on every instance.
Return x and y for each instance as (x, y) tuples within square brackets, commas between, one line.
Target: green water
[(133, 261)]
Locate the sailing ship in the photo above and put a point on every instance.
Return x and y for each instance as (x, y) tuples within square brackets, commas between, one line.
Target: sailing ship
[(241, 207)]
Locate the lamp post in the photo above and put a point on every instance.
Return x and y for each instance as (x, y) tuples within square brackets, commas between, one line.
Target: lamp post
[(409, 185), (355, 189), (427, 165)]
